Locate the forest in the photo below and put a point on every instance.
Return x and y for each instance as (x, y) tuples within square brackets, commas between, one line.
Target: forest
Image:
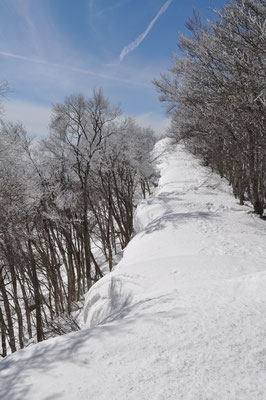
[(67, 202), (67, 207), (216, 96)]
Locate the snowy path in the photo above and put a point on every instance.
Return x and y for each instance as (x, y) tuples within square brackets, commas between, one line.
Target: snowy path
[(182, 316)]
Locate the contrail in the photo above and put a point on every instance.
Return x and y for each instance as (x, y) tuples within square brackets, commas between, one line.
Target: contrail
[(73, 69), (133, 45)]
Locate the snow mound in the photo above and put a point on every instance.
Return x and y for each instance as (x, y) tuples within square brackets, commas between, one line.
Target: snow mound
[(106, 300), (181, 317)]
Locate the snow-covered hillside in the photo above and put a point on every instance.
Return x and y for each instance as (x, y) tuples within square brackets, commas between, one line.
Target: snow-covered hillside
[(182, 316)]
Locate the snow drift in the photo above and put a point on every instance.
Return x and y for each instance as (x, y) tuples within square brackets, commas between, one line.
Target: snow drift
[(181, 317)]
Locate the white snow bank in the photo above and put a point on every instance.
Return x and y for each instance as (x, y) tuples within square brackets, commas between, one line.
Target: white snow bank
[(181, 317)]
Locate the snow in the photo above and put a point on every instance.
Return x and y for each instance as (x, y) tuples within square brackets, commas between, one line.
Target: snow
[(181, 317)]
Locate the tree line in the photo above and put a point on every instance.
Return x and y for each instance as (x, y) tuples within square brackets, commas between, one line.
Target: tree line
[(66, 212), (216, 95)]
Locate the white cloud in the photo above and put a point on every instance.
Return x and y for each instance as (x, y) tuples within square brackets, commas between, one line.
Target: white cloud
[(33, 30), (133, 45), (35, 118), (74, 69), (23, 8), (111, 7), (153, 120)]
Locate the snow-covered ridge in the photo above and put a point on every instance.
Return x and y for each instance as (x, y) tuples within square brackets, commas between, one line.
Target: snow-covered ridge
[(188, 197), (181, 317)]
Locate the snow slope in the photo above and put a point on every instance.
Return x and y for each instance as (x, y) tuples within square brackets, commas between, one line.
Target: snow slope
[(182, 316)]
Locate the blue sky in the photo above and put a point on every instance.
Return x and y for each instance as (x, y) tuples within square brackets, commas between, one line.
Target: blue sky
[(50, 49)]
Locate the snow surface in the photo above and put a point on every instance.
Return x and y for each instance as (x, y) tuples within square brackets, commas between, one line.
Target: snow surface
[(181, 317)]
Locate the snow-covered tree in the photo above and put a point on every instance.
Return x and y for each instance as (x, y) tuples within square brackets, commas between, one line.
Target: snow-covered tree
[(60, 200), (216, 95)]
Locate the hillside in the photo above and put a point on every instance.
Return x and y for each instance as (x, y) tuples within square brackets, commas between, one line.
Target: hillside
[(181, 317)]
